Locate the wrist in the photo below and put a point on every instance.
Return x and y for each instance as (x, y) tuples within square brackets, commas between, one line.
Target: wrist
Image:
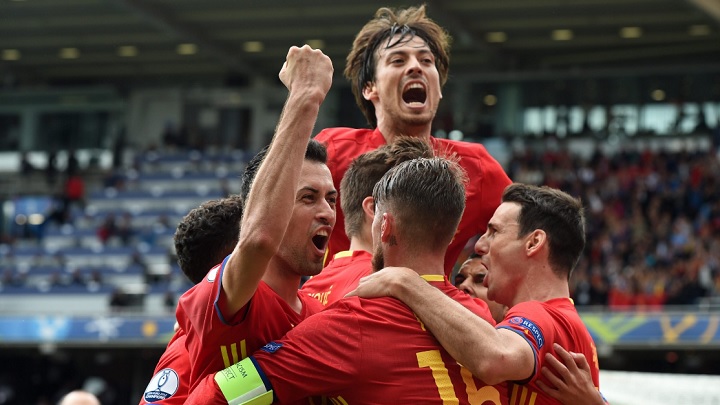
[(307, 97), (405, 284), (244, 382)]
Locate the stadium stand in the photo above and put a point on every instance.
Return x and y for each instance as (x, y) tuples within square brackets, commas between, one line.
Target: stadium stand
[(155, 106)]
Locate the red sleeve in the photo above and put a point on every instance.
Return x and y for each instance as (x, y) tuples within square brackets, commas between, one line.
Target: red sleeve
[(536, 326), (206, 392), (326, 346), (170, 382)]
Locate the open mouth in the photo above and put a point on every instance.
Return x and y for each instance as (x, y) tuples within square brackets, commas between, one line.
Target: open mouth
[(414, 94), (321, 239)]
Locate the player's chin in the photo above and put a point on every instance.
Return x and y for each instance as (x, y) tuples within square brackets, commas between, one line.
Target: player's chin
[(314, 265)]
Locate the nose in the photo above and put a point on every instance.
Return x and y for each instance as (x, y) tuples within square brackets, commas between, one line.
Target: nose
[(326, 213), (481, 246), (464, 286), (414, 67)]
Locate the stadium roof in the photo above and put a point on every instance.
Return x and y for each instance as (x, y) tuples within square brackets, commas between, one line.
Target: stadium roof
[(45, 41)]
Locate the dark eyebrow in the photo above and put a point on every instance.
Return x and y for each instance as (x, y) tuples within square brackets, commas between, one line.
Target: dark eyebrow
[(393, 52), (310, 189), (315, 191)]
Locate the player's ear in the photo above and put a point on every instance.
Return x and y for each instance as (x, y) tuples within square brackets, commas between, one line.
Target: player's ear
[(387, 227), (368, 206), (535, 241), (369, 91)]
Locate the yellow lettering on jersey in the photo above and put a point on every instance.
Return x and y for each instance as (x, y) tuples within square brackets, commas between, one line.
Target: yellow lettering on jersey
[(671, 333), (227, 360), (433, 360), (338, 401), (483, 395), (422, 325), (322, 296), (523, 392)]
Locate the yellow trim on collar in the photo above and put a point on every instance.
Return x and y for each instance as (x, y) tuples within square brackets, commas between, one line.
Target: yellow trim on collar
[(433, 277), (344, 253)]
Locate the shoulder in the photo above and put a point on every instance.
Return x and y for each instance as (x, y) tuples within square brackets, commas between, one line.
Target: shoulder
[(340, 134), (465, 150)]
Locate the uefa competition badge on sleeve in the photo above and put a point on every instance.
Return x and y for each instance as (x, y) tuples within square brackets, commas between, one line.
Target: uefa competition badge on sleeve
[(163, 385)]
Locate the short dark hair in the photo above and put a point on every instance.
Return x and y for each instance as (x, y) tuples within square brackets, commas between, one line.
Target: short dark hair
[(427, 198), (315, 152), (408, 23), (367, 169), (557, 213), (206, 235)]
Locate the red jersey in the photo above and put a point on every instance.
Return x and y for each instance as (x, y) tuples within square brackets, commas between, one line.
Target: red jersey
[(373, 351), (340, 276), (169, 385), (542, 324), (214, 341), (487, 181)]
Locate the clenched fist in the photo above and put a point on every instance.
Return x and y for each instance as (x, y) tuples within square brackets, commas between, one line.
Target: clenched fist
[(307, 70)]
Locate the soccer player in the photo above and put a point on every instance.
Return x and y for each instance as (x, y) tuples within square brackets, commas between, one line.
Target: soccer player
[(346, 269), (469, 279), (204, 237), (571, 377), (374, 351), (289, 213), (397, 66), (533, 242)]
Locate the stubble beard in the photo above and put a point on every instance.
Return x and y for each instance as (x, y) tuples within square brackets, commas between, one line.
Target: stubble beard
[(378, 259), (298, 261)]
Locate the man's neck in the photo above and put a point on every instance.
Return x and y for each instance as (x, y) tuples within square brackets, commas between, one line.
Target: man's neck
[(360, 243), (541, 286), (285, 284), (422, 264), (389, 132)]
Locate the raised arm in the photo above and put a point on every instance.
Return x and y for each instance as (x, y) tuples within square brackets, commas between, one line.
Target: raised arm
[(307, 74), (492, 355)]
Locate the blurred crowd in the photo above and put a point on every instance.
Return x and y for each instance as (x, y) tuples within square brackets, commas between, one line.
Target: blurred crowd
[(653, 223)]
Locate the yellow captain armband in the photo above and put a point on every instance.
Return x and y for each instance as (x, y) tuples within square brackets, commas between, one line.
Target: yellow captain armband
[(245, 383)]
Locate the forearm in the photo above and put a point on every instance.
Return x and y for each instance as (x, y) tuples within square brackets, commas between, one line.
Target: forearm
[(269, 205), (471, 340)]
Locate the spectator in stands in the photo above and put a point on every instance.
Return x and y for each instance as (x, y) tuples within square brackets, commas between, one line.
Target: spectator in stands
[(107, 228), (26, 168), (58, 211), (74, 191), (653, 219), (12, 279), (138, 260), (77, 278), (124, 228), (73, 165), (95, 280), (119, 300), (51, 169)]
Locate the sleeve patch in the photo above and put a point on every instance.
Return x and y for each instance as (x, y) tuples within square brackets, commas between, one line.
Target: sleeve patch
[(271, 347), (528, 328), (163, 385)]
